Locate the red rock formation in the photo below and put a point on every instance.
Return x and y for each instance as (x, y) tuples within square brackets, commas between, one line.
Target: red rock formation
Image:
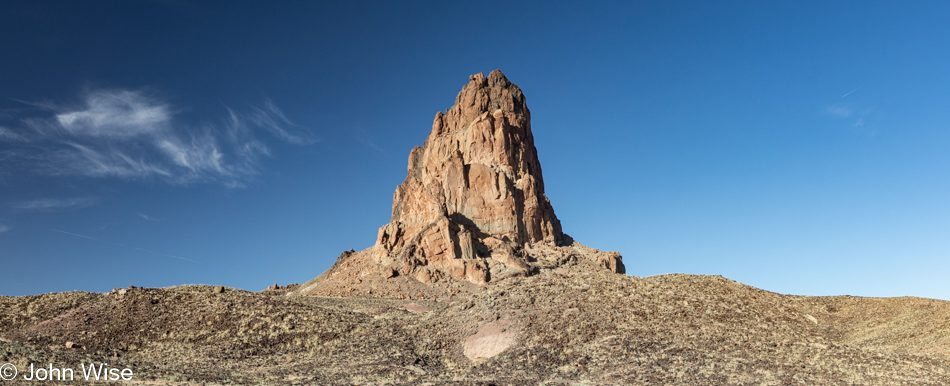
[(472, 206), (474, 186)]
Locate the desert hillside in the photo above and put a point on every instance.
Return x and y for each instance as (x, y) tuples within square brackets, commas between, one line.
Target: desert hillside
[(559, 326)]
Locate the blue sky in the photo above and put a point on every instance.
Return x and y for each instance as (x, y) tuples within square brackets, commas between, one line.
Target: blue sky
[(800, 147)]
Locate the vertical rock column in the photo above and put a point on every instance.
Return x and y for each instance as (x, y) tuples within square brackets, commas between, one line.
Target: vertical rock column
[(474, 190)]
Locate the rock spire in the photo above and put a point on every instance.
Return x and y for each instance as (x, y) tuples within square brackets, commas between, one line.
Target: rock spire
[(473, 190), (472, 207)]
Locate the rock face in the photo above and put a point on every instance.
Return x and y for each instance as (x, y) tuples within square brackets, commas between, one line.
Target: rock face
[(472, 206), (474, 190)]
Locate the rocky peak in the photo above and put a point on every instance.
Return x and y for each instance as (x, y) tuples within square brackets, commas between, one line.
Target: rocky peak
[(471, 209), (474, 193), (479, 168)]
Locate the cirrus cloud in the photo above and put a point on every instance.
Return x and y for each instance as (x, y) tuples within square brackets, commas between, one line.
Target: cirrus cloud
[(132, 134), (54, 203), (116, 113)]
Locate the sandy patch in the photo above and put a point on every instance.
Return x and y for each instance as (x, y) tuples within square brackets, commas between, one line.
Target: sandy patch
[(416, 308), (490, 340)]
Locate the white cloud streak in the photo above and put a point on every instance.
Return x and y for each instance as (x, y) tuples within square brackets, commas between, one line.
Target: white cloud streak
[(131, 134), (839, 111), (858, 117), (119, 113), (363, 136), (124, 246), (7, 135), (273, 120), (4, 228), (54, 203), (103, 160)]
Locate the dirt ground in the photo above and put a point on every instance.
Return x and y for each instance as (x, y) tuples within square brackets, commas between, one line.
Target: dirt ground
[(561, 326)]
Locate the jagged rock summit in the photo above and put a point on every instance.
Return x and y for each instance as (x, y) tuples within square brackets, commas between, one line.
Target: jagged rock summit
[(472, 207)]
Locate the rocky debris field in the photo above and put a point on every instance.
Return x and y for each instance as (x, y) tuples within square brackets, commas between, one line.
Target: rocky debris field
[(562, 326)]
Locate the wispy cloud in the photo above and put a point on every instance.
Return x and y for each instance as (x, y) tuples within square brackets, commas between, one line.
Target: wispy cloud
[(132, 134), (363, 136), (857, 117), (146, 217), (4, 228), (123, 245), (7, 135), (102, 160), (839, 111), (272, 119), (116, 113), (54, 203)]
